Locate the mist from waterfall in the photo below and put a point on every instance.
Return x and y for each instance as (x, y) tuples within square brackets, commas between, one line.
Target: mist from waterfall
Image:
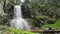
[(19, 22)]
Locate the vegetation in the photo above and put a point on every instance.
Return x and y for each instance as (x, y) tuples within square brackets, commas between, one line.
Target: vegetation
[(8, 30), (55, 26), (15, 2), (41, 13)]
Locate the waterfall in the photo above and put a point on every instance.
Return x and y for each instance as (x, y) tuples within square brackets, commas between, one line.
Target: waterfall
[(19, 22)]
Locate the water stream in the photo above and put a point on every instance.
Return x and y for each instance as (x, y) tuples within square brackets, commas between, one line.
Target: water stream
[(19, 22)]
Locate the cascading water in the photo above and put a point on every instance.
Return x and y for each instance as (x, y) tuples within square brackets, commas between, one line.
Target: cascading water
[(19, 22)]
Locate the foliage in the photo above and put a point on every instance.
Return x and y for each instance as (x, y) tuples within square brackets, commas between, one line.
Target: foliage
[(41, 16), (51, 20), (15, 2), (55, 26), (9, 30), (42, 11), (2, 20), (39, 12)]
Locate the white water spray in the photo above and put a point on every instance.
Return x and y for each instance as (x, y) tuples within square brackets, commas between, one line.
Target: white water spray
[(22, 0), (19, 22)]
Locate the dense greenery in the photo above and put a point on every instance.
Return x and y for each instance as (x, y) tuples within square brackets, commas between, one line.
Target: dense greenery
[(55, 26), (15, 2), (39, 12), (8, 30)]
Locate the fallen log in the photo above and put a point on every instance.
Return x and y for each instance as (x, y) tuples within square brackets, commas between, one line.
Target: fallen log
[(45, 31)]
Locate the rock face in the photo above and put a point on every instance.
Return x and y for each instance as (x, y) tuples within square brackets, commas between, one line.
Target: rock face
[(1, 8)]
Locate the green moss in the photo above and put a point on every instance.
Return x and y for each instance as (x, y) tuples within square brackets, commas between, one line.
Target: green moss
[(40, 16), (51, 19)]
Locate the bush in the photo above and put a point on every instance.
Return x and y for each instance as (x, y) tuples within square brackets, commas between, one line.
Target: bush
[(55, 26), (51, 21)]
